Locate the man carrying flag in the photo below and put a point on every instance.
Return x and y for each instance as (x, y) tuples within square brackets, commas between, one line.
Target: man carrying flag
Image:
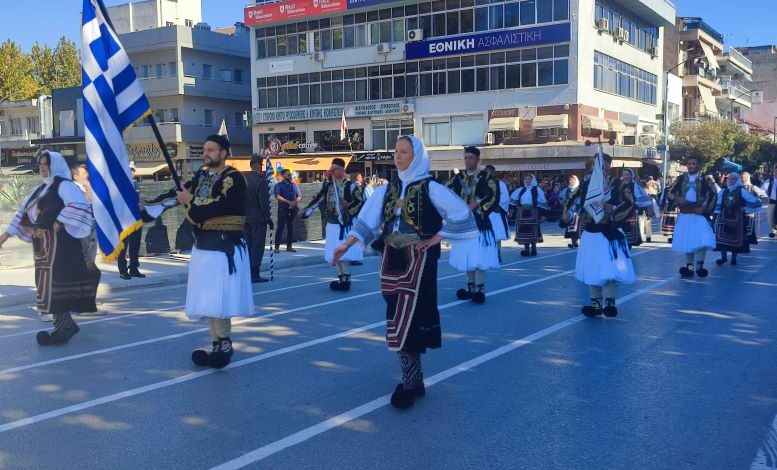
[(603, 259), (219, 285)]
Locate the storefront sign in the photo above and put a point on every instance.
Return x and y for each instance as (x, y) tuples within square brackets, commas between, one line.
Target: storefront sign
[(275, 12), (310, 113), (566, 165), (509, 38), (504, 113), (282, 66), (309, 147), (150, 152), (195, 152), (375, 157), (274, 146), (374, 109)]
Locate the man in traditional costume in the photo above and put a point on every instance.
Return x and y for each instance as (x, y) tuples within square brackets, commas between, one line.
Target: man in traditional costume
[(499, 216), (604, 259), (770, 187), (731, 225), (669, 211), (219, 285), (411, 215), (55, 217), (630, 196), (480, 191), (340, 200), (529, 199), (572, 226), (695, 196)]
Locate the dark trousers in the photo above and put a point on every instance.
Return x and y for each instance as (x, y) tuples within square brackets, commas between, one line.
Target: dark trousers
[(286, 216), (256, 238), (131, 244)]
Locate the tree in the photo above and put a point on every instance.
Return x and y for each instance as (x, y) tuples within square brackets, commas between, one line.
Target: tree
[(16, 77), (56, 68), (713, 139)]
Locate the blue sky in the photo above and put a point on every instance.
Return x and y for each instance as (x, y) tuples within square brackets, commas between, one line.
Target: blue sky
[(742, 22)]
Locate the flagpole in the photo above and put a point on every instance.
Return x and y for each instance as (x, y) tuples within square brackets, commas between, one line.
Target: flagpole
[(267, 168), (151, 119)]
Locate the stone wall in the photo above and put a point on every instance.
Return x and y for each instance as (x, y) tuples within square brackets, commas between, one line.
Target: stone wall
[(171, 232)]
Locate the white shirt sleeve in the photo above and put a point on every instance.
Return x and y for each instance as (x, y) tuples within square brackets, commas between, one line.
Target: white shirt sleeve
[(76, 216), (458, 221), (367, 225)]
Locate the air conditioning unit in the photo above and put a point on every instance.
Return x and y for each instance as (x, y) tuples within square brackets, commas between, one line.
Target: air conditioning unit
[(649, 129), (319, 56), (415, 35), (408, 108), (647, 140), (653, 52), (489, 138), (384, 48), (625, 36), (603, 24), (621, 34)]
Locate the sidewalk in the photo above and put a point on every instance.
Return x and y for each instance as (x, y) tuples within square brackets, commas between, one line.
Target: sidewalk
[(17, 274)]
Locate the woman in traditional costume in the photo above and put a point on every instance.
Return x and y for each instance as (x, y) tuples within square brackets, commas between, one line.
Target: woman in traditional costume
[(411, 215), (731, 227), (529, 200), (54, 218)]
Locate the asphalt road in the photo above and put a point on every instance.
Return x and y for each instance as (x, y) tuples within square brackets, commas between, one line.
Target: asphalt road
[(684, 378)]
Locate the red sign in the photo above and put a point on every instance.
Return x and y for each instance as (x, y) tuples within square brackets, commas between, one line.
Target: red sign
[(292, 9)]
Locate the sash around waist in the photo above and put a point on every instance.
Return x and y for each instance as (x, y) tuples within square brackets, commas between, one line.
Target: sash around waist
[(217, 240)]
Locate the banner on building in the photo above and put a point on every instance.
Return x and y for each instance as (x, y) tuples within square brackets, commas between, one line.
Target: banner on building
[(289, 10), (493, 40)]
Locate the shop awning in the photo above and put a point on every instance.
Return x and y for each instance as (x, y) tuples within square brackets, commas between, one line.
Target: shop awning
[(504, 124), (296, 163), (148, 168), (708, 100), (626, 164), (709, 55), (616, 126), (593, 122), (550, 120)]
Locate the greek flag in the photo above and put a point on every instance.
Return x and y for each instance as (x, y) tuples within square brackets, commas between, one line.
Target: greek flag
[(113, 101), (599, 191)]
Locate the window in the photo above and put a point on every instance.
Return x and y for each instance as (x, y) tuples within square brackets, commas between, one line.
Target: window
[(172, 115), (437, 131), (237, 75), (642, 34), (467, 130), (207, 72), (386, 133), (32, 125), (617, 77), (239, 120), (208, 117), (528, 12), (226, 75), (330, 140), (16, 126), (189, 23), (172, 69), (160, 70), (144, 71)]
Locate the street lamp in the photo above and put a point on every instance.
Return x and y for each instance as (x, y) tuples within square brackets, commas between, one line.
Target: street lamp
[(697, 60)]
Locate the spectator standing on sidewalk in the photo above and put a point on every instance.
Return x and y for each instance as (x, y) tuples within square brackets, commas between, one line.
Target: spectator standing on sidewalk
[(89, 244), (289, 196), (258, 216), (131, 245)]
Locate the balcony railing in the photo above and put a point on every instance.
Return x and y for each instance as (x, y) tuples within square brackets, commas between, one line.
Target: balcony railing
[(698, 23), (740, 59)]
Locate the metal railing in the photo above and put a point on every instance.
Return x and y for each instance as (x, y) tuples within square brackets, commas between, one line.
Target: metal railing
[(738, 57)]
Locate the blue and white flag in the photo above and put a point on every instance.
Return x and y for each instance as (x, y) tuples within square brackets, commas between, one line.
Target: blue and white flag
[(599, 191), (113, 101), (269, 170)]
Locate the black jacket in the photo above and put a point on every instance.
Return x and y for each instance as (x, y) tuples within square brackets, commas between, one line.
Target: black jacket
[(257, 199)]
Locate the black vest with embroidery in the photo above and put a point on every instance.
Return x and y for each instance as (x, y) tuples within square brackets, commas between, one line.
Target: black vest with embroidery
[(50, 205), (732, 201), (417, 209)]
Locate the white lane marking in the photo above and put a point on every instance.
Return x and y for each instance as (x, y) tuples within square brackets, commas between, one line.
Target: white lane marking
[(195, 375), (236, 322), (178, 307), (331, 423), (766, 458)]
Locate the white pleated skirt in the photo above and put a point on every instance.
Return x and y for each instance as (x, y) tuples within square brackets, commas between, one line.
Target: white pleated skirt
[(212, 292), (594, 265), (500, 231), (472, 254), (332, 241), (692, 232)]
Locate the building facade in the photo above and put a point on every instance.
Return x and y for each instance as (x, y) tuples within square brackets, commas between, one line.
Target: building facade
[(529, 81), (152, 14), (21, 123), (763, 113), (194, 78)]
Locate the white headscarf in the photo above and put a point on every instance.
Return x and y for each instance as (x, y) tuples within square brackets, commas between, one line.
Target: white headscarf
[(419, 167), (735, 185), (57, 167), (577, 182), (533, 181)]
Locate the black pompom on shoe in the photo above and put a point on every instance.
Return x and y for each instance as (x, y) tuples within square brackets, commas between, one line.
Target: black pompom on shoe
[(479, 297), (525, 252), (772, 234), (687, 271), (610, 310), (463, 294), (701, 272), (219, 359), (200, 357), (335, 285), (591, 311), (402, 398), (42, 338)]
